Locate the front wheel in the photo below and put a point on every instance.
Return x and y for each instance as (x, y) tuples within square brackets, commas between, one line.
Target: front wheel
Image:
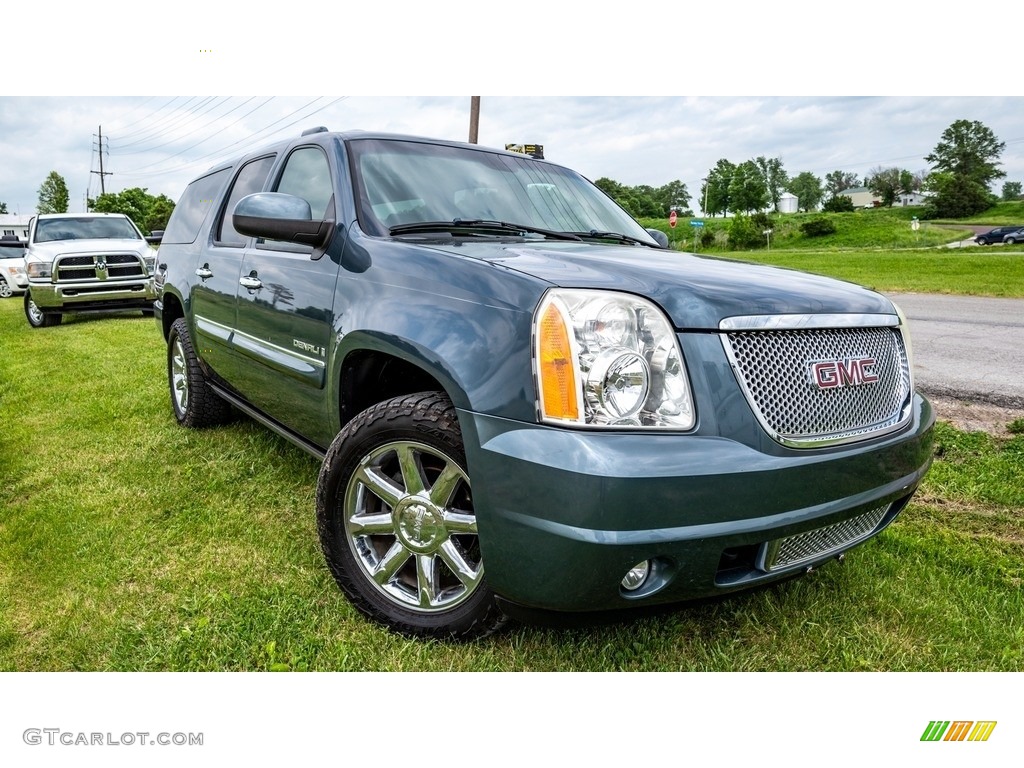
[(36, 317), (5, 289), (397, 524)]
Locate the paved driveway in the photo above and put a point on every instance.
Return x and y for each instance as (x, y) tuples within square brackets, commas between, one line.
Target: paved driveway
[(967, 347)]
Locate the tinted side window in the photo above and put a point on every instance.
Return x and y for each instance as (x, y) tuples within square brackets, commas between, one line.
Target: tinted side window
[(190, 212), (249, 180), (307, 175)]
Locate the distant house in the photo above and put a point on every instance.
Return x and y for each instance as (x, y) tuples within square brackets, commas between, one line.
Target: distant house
[(13, 224), (862, 197), (911, 198)]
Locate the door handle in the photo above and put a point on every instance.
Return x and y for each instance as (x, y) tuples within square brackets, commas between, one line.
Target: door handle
[(250, 281), (204, 271)]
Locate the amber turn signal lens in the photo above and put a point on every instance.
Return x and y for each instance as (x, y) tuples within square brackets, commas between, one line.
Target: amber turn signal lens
[(559, 398)]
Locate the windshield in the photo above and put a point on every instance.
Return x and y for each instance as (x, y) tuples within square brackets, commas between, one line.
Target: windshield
[(405, 182), (85, 228), (11, 251)]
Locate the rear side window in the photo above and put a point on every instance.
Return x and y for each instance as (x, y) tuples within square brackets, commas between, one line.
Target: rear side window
[(249, 180), (191, 211)]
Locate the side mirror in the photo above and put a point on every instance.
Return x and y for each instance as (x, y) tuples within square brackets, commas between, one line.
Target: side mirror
[(277, 216), (659, 237), (155, 237)]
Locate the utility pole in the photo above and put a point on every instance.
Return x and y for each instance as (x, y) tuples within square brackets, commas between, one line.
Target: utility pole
[(103, 188), (474, 118)]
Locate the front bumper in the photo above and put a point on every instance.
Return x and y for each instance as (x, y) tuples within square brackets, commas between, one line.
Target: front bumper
[(85, 296), (564, 514)]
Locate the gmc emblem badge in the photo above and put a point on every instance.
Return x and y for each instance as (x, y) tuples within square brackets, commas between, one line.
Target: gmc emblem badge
[(851, 372)]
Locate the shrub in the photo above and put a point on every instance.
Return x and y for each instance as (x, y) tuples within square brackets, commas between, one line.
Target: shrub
[(743, 234), (818, 227), (838, 204), (707, 238)]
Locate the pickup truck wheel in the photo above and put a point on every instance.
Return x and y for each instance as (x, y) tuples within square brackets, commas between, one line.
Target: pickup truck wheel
[(36, 317), (397, 524), (194, 401), (5, 289)]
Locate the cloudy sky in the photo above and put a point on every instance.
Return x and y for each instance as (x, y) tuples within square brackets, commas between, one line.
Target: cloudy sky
[(161, 142)]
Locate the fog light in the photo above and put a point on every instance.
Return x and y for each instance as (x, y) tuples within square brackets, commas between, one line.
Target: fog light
[(636, 576)]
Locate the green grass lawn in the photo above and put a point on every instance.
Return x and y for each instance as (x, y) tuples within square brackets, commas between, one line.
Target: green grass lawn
[(128, 543)]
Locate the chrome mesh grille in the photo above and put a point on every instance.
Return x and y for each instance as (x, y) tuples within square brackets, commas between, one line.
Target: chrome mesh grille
[(803, 547), (774, 370)]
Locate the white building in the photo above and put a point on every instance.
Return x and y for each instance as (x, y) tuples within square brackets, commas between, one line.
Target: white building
[(13, 224)]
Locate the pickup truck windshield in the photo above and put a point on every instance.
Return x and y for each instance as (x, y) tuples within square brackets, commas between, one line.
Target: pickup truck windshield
[(406, 182), (85, 228)]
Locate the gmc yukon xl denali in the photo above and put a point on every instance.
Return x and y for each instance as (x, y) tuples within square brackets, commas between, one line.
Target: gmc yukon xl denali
[(523, 402)]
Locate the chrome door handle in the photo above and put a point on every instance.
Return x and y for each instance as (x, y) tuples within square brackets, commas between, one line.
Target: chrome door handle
[(204, 271), (251, 282)]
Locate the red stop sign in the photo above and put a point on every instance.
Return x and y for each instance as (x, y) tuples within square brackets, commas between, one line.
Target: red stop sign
[(672, 219)]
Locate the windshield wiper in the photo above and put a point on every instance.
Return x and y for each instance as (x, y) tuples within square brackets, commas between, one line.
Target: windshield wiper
[(477, 224), (616, 236)]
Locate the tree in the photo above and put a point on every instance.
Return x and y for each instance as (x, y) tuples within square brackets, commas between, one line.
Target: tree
[(673, 196), (3, 207), (965, 162), (808, 190), (839, 181), (1011, 190), (715, 191), (890, 183), (774, 176), (53, 194), (148, 212), (747, 190), (970, 150)]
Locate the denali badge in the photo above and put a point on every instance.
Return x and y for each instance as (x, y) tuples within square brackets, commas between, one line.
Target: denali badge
[(832, 374)]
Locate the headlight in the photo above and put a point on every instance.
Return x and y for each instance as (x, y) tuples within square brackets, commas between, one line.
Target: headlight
[(905, 332), (605, 359), (38, 270)]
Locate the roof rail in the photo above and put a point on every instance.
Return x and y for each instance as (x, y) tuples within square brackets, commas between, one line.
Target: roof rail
[(318, 129)]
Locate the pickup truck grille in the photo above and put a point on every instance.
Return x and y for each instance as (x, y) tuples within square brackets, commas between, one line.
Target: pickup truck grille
[(814, 387), (118, 265)]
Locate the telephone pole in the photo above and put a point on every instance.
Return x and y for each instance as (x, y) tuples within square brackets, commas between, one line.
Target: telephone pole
[(474, 118), (101, 172)]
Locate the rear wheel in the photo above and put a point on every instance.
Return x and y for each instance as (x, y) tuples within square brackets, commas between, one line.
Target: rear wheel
[(194, 401), (397, 523), (36, 317)]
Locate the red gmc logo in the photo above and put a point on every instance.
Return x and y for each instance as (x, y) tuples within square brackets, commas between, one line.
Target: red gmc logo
[(852, 372)]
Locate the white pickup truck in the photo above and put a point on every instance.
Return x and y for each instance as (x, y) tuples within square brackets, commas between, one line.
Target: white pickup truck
[(86, 262)]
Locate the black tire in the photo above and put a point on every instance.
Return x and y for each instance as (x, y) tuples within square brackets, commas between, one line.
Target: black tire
[(36, 317), (394, 498), (5, 289), (194, 402)]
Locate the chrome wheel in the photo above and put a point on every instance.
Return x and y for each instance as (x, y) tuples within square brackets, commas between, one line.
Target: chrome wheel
[(397, 522), (411, 526), (179, 376), (5, 289)]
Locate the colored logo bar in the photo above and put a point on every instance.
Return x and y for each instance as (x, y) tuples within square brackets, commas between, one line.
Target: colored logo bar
[(958, 730)]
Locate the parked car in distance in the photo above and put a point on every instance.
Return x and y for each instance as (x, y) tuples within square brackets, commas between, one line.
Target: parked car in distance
[(995, 235), (12, 266), (521, 401), (1017, 236), (86, 262)]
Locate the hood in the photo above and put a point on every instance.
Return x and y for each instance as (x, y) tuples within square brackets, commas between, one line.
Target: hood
[(697, 292), (50, 249)]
